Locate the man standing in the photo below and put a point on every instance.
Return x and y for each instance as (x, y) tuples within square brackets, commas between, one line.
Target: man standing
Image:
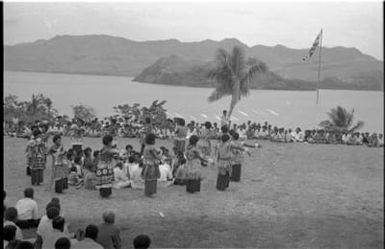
[(225, 119)]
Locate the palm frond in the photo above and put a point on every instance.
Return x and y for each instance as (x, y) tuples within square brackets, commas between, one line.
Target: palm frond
[(356, 127), (222, 58), (216, 95)]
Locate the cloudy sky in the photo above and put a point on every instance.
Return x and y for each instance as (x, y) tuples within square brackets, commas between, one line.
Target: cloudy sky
[(293, 24)]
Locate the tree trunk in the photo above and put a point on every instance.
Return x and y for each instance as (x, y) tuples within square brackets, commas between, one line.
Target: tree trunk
[(235, 96)]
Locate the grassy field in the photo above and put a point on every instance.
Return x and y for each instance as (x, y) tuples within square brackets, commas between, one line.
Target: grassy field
[(290, 196)]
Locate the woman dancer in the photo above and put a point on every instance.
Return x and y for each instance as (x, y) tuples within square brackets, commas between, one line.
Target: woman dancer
[(38, 158), (59, 168), (204, 143), (193, 166), (151, 161), (224, 156), (105, 167), (181, 133)]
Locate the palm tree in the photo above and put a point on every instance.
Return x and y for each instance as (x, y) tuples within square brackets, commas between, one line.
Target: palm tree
[(233, 75), (341, 120)]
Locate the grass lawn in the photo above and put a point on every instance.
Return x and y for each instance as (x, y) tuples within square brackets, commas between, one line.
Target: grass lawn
[(290, 196)]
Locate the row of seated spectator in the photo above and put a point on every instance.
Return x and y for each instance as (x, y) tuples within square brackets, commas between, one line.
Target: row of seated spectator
[(52, 230)]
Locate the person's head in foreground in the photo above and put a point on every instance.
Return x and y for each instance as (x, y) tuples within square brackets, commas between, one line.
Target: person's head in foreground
[(91, 232), (63, 243), (142, 242), (9, 232), (11, 214), (52, 212), (28, 193), (109, 217)]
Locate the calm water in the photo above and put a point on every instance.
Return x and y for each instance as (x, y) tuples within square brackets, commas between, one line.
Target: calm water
[(281, 108)]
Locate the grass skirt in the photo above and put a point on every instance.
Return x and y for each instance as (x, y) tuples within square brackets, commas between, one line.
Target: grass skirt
[(236, 173), (150, 187), (223, 181)]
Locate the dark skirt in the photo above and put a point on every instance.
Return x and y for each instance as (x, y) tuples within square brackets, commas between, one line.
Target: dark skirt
[(36, 176), (150, 187), (236, 173), (223, 181), (105, 192), (28, 171), (59, 185), (193, 185)]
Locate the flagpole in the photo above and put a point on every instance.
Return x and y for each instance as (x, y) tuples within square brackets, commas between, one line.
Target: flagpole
[(319, 66)]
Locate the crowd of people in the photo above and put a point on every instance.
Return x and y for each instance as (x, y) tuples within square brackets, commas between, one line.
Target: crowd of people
[(251, 130), (51, 230), (194, 146), (113, 168)]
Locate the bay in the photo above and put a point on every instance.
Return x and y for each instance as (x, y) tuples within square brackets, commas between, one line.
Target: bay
[(289, 109)]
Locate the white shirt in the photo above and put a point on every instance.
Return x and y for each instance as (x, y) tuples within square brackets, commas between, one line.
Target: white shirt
[(224, 120), (27, 209), (134, 171), (45, 227), (119, 175), (165, 172), (19, 234)]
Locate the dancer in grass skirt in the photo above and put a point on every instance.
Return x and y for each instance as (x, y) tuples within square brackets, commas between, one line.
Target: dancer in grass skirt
[(224, 156), (151, 161), (193, 165), (238, 155), (59, 167), (148, 128), (105, 167), (204, 143), (180, 135), (38, 158)]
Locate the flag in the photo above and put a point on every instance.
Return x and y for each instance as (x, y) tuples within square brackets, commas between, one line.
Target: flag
[(313, 47)]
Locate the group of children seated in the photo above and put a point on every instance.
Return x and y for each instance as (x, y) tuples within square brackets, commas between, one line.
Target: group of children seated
[(127, 172)]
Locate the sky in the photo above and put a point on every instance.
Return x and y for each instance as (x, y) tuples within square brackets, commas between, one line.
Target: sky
[(292, 24)]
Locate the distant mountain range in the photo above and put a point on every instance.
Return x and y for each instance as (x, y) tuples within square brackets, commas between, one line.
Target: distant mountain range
[(186, 63)]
